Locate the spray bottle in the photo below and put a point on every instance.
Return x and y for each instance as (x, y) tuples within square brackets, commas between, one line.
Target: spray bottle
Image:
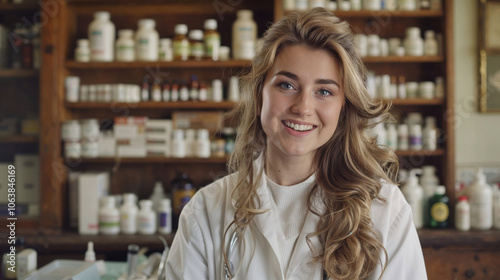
[(414, 195)]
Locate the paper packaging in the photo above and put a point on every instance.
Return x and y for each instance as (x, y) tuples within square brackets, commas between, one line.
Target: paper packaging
[(27, 178), (107, 146), (91, 187), (159, 127), (26, 263), (131, 151), (129, 127), (4, 173)]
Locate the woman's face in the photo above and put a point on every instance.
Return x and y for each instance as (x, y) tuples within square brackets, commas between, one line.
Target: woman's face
[(301, 101)]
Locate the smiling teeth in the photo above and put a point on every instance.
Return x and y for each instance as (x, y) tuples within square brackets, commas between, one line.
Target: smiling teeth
[(298, 127)]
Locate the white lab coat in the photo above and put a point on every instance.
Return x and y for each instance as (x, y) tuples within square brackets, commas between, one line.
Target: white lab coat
[(196, 252)]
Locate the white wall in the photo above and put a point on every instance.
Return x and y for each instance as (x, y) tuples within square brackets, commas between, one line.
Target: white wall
[(477, 136)]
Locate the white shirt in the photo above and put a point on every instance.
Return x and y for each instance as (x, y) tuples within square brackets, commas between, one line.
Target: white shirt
[(196, 252)]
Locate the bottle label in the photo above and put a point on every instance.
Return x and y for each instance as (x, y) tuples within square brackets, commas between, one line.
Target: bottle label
[(212, 41), (440, 212), (97, 42), (197, 50), (181, 198), (165, 219), (181, 49)]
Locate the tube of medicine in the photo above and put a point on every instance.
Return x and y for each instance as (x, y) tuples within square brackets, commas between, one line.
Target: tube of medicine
[(132, 251)]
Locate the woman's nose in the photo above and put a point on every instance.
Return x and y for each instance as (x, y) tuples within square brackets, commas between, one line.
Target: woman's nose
[(302, 104)]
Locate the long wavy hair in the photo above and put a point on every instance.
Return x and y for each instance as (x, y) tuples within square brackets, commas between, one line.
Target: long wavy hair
[(350, 166)]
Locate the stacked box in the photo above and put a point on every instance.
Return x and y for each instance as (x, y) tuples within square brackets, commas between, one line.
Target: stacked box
[(28, 182), (107, 145), (130, 135), (158, 137)]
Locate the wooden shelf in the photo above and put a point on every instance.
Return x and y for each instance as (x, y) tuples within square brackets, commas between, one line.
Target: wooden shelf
[(162, 64), (225, 105), (19, 73), (415, 101), (387, 14), (19, 7), (424, 153), (450, 237), (402, 59), (19, 139), (154, 159)]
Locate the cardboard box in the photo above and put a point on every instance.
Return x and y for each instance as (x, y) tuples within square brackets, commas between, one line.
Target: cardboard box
[(26, 263), (27, 178), (158, 150), (91, 187), (107, 146), (197, 120), (131, 151), (159, 127)]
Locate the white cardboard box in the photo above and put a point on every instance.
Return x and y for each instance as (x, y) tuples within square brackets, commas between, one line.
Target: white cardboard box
[(26, 263), (91, 187), (27, 178)]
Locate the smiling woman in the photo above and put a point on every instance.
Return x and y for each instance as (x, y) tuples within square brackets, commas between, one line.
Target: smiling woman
[(311, 195)]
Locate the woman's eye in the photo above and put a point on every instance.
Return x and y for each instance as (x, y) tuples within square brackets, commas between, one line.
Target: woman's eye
[(285, 85), (324, 92)]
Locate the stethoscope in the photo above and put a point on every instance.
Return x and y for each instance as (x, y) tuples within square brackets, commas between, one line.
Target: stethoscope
[(229, 271)]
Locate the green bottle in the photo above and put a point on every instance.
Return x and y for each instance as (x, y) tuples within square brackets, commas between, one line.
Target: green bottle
[(439, 208)]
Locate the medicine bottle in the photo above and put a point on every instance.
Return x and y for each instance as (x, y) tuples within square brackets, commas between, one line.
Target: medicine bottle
[(496, 206), (190, 140), (203, 93), (439, 87), (403, 137), (82, 51), (147, 40), (181, 42), (165, 216), (157, 195), (217, 94), (481, 202), (416, 137), (125, 45), (145, 90), (183, 91), (408, 5), (430, 43), (203, 144), (429, 135), (174, 92), (178, 144), (101, 37), (196, 45), (166, 51), (402, 88), (182, 191), (211, 39), (429, 181), (109, 216), (244, 35), (392, 137), (128, 214), (414, 195), (156, 91), (166, 92), (462, 214), (371, 5), (414, 45), (146, 218), (234, 89), (194, 93), (439, 209)]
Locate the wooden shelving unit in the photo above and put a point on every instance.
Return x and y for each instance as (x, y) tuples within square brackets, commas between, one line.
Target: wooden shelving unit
[(188, 105), (18, 73), (162, 64), (421, 153), (154, 159), (25, 6), (19, 139), (403, 59)]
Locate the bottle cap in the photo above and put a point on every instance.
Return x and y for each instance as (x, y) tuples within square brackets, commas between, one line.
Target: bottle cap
[(480, 178), (147, 23), (165, 42), (178, 134), (463, 198), (412, 179), (196, 35), (108, 201), (210, 24), (125, 33), (146, 204), (181, 29), (83, 42), (429, 34), (129, 197), (165, 203), (441, 190), (413, 32), (101, 15), (428, 169), (158, 188), (190, 134), (245, 14)]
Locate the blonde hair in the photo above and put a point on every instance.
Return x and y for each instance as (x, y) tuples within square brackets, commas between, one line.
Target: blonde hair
[(350, 165)]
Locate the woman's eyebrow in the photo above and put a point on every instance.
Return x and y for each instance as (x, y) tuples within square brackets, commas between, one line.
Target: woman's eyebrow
[(318, 81), (327, 82)]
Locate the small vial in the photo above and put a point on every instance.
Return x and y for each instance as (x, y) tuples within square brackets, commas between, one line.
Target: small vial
[(203, 144), (211, 39), (174, 93), (190, 141), (234, 89), (194, 89), (392, 137), (196, 46), (178, 144), (184, 91), (203, 94), (145, 91), (430, 43), (439, 87), (82, 51), (181, 42), (394, 88), (217, 95), (156, 91), (402, 88)]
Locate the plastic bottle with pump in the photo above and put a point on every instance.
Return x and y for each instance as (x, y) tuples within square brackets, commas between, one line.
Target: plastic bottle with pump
[(481, 200), (157, 195), (414, 195)]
